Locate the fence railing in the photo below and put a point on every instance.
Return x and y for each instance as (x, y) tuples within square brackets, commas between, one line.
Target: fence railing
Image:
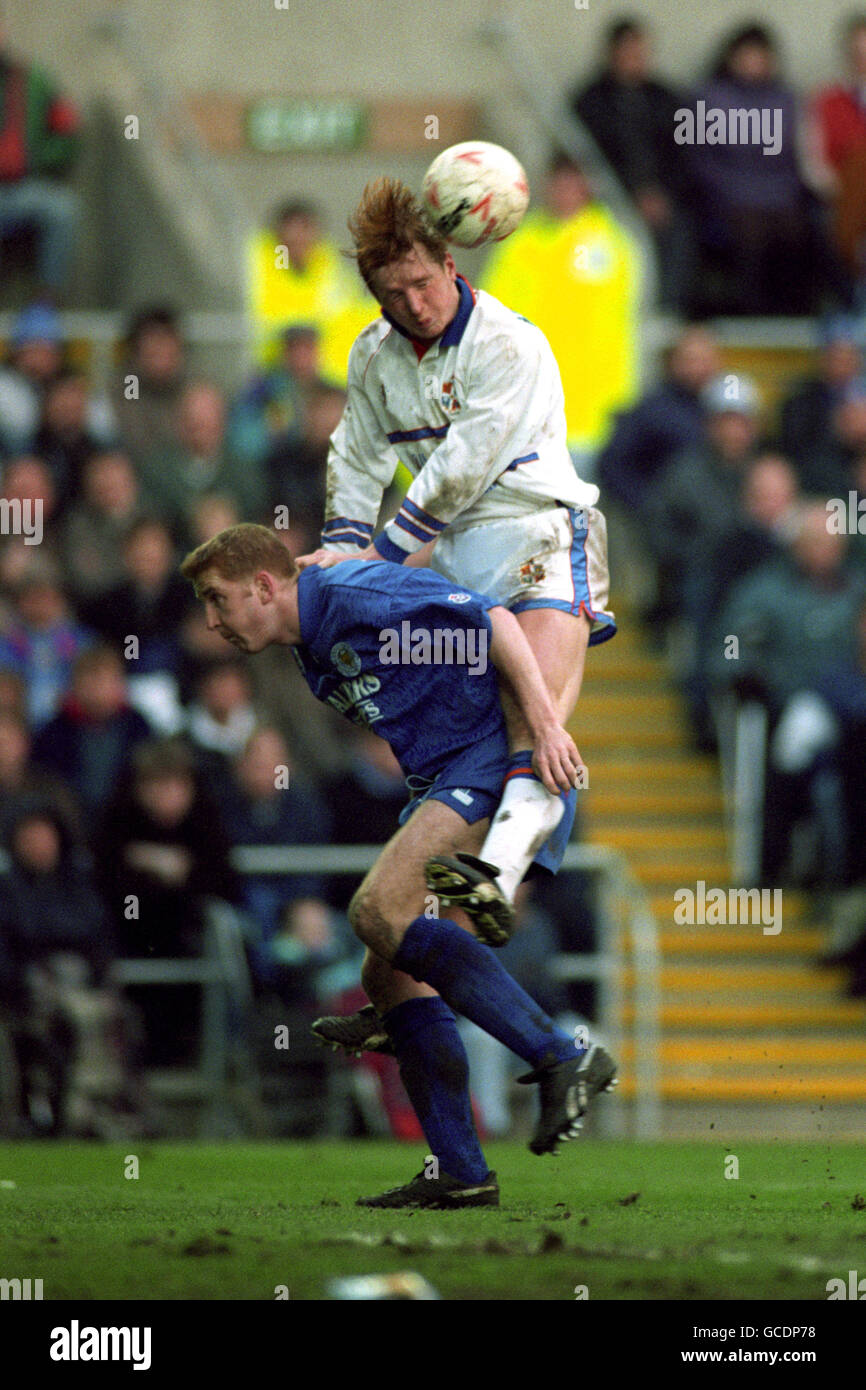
[(626, 933)]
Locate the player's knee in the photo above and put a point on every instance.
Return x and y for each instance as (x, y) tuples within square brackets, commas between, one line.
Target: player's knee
[(370, 924)]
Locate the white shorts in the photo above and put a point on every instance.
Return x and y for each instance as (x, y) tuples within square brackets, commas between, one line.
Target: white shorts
[(547, 559)]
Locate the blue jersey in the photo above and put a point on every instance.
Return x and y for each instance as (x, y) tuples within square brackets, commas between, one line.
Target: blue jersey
[(403, 652)]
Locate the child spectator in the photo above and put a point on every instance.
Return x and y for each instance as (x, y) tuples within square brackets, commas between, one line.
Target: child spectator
[(89, 741), (41, 644)]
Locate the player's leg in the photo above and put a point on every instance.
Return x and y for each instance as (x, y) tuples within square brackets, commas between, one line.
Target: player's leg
[(468, 975), (528, 812), (420, 1025), (561, 611)]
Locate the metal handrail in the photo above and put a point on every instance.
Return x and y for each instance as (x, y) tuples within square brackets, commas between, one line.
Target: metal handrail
[(622, 902)]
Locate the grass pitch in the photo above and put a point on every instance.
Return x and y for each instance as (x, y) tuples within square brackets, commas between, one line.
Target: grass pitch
[(626, 1220)]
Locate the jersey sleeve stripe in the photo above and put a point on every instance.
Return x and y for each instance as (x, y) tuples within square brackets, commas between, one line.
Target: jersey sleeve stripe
[(423, 518), (515, 463), (406, 525), (426, 432), (340, 522)]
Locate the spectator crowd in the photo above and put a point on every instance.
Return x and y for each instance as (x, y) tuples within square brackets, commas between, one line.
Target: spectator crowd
[(136, 752)]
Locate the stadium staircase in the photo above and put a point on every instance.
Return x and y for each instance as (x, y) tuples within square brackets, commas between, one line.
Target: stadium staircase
[(756, 1038)]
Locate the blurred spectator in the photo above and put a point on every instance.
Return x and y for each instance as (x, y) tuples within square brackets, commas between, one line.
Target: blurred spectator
[(163, 849), (573, 270), (64, 437), (38, 146), (296, 275), (271, 803), (29, 490), (270, 406), (795, 621), (56, 935), (313, 956), (36, 358), (211, 513), (89, 742), (768, 522), (697, 499), (365, 800), (632, 118), (94, 528), (839, 127), (820, 743), (25, 786), (41, 644), (693, 509), (221, 717), (297, 464), (794, 617), (663, 423), (147, 608), (828, 469), (13, 695), (174, 477), (757, 215), (147, 392), (807, 410)]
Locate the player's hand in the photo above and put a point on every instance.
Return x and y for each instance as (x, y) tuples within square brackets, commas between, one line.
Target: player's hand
[(323, 558), (556, 760)]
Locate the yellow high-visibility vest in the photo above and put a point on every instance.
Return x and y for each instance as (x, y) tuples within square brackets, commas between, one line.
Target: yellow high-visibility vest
[(327, 293), (578, 280)]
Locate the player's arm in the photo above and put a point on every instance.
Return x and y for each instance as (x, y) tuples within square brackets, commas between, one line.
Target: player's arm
[(555, 757), (361, 464), (497, 426)]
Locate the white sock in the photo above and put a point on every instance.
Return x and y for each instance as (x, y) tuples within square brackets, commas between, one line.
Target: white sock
[(527, 814)]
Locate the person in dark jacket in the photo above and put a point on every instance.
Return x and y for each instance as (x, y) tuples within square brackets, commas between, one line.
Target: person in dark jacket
[(162, 852), (631, 117), (89, 742), (667, 420)]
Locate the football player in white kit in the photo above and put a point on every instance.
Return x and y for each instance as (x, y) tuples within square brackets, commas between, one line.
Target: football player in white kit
[(467, 394)]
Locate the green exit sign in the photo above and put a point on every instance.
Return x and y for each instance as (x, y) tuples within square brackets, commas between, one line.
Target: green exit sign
[(283, 126)]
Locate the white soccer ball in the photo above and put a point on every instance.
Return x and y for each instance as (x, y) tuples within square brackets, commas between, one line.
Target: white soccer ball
[(475, 192)]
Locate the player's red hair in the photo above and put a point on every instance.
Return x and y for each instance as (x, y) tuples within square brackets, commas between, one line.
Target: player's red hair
[(385, 226), (239, 552)]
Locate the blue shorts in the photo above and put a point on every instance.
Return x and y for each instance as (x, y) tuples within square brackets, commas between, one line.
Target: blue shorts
[(471, 783)]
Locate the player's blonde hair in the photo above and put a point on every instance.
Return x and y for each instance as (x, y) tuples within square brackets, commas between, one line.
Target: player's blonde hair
[(385, 226), (239, 552)]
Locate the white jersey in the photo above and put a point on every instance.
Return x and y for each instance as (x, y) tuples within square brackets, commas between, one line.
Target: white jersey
[(479, 420)]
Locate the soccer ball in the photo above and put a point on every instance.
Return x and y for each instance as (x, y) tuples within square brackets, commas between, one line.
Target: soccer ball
[(475, 192)]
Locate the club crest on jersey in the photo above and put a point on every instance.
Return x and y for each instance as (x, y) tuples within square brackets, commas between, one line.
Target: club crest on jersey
[(346, 659), (450, 403), (532, 572), (459, 598)]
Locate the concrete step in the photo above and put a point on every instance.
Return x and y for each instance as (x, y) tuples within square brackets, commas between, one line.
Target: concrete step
[(771, 1049), (739, 941), (737, 1016), (634, 804), (639, 705), (637, 841), (772, 981), (827, 1088), (675, 870)]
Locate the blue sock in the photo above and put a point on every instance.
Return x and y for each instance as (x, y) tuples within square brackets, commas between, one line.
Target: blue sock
[(471, 979), (435, 1071)]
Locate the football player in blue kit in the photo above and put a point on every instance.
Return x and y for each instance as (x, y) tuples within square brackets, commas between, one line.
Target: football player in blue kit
[(405, 652)]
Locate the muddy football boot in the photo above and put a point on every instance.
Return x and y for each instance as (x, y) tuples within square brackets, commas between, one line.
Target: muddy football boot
[(471, 884)]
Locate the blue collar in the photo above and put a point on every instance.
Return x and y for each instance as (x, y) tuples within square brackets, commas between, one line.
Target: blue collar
[(457, 327)]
